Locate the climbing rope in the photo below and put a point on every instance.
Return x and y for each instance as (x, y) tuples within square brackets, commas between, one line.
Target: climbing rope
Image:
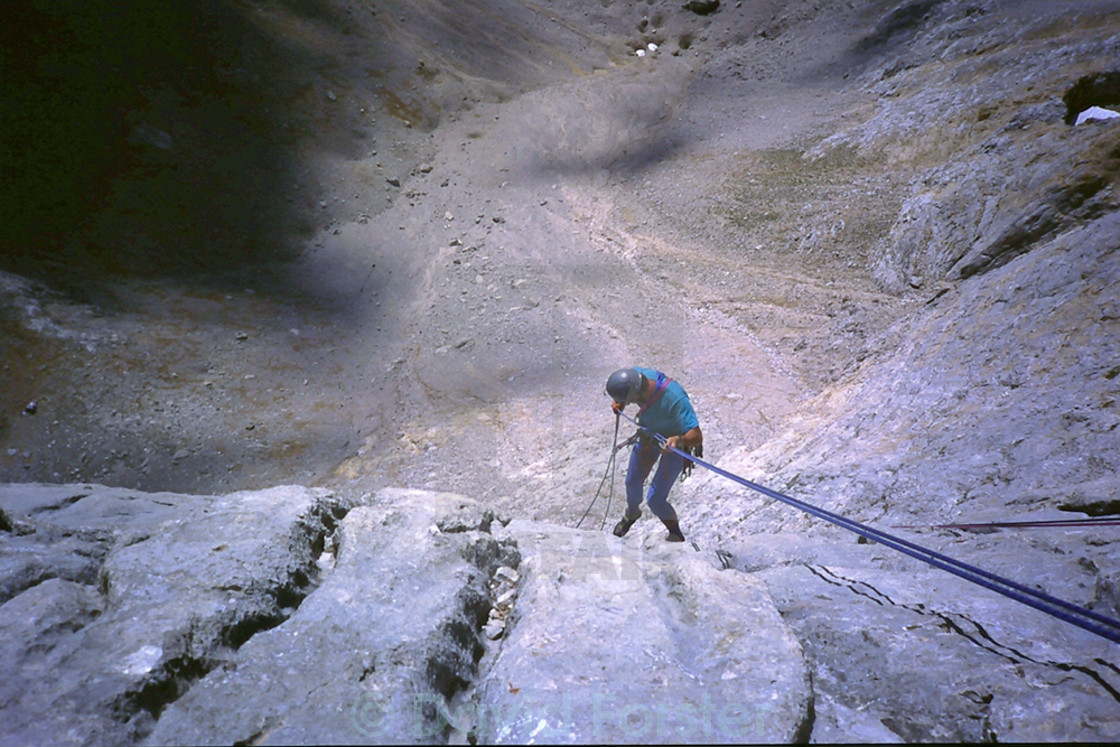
[(1083, 618), (611, 468), (1099, 521)]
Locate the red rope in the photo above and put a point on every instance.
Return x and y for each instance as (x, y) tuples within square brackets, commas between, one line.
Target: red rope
[(1101, 522)]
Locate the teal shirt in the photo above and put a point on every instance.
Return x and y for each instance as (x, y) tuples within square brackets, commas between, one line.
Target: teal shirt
[(672, 413)]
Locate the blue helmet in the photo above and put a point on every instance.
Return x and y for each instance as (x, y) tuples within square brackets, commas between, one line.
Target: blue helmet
[(624, 385)]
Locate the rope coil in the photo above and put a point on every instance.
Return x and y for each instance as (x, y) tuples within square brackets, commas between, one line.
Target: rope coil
[(1083, 618)]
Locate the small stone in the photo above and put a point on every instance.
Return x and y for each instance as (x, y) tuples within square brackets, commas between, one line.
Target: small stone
[(146, 134), (1096, 113), (702, 7), (506, 573)]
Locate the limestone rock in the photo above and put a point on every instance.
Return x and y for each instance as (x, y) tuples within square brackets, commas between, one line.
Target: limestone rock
[(41, 555), (185, 579), (637, 640), (370, 654), (874, 638)]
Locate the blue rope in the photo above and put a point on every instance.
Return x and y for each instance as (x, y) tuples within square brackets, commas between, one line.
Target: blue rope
[(1063, 610)]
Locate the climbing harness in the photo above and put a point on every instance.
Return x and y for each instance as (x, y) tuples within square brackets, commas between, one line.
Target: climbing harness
[(1083, 618)]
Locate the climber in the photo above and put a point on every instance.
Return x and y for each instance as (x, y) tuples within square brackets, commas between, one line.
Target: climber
[(664, 408)]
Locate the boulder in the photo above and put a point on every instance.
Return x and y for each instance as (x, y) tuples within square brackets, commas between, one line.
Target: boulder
[(702, 7)]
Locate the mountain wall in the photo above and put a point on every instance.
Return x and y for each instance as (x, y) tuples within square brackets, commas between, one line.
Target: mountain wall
[(307, 308)]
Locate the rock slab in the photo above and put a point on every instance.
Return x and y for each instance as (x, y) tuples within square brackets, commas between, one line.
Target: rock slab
[(638, 641), (372, 652), (183, 582)]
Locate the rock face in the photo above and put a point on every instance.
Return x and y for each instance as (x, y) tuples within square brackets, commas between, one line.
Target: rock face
[(904, 653), (1033, 436), (368, 657), (288, 616), (145, 594), (871, 239), (639, 641)]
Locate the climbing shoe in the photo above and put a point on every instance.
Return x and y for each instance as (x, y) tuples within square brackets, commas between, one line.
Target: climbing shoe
[(622, 527), (674, 528)]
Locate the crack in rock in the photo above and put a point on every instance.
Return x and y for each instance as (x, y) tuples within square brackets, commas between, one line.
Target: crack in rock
[(956, 623), (869, 650), (184, 582), (366, 644)]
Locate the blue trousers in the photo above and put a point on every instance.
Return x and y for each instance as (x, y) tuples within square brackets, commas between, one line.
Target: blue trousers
[(642, 459)]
